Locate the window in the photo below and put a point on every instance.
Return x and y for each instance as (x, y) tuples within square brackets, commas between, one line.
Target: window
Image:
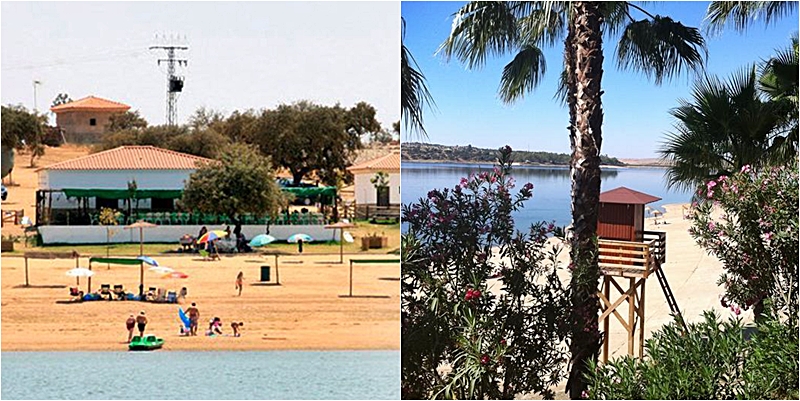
[(92, 122), (162, 204), (105, 202)]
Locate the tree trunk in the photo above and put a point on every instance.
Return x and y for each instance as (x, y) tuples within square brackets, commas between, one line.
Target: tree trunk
[(297, 176), (584, 56)]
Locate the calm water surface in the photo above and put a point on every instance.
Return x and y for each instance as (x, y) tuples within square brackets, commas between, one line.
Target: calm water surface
[(551, 193), (201, 375)]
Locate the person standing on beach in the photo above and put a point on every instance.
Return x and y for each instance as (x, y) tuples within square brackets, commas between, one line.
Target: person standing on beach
[(240, 282), (300, 245), (141, 321), (130, 324), (194, 318)]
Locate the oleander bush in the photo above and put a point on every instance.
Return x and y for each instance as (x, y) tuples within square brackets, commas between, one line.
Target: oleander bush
[(483, 312), (749, 221)]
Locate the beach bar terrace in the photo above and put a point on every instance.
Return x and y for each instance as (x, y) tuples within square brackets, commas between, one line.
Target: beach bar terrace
[(143, 183)]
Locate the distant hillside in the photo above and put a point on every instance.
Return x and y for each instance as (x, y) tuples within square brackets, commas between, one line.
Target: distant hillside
[(415, 151)]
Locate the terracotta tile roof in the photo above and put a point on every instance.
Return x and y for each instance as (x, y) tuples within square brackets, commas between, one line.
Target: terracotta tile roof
[(390, 162), (131, 158), (91, 103), (627, 196)]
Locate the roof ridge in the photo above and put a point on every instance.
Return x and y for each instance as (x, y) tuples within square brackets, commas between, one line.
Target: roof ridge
[(122, 148)]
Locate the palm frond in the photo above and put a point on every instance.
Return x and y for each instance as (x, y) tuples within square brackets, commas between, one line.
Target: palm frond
[(725, 126), (661, 48), (481, 29), (742, 13), (414, 94), (522, 74)]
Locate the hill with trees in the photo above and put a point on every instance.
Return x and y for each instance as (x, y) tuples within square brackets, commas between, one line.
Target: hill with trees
[(415, 151)]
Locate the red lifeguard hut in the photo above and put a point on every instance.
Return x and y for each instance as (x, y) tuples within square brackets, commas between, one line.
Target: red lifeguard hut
[(627, 251), (621, 214)]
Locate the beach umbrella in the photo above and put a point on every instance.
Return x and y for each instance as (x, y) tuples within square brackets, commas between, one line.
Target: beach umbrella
[(161, 269), (141, 224), (261, 240), (146, 259), (341, 226), (175, 274), (79, 272), (211, 236), (299, 236)]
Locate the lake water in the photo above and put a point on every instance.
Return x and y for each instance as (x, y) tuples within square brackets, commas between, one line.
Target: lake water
[(551, 192), (201, 375)]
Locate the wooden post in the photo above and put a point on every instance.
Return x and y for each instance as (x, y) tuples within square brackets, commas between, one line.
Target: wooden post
[(277, 275), (27, 284), (607, 292), (641, 320), (631, 316), (351, 278), (341, 245), (89, 285)]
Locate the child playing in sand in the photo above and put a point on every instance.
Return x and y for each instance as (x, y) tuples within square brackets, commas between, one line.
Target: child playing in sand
[(240, 282), (235, 326)]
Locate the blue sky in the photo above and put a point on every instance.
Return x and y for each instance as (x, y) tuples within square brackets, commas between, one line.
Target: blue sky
[(635, 110), (241, 54)]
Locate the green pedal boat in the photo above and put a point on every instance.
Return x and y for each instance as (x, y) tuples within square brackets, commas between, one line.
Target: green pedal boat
[(147, 343)]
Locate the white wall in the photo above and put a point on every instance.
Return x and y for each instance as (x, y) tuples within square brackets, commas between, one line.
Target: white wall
[(97, 234), (113, 179), (367, 194)]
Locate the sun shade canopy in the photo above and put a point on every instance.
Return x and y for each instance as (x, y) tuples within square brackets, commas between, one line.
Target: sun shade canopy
[(116, 261)]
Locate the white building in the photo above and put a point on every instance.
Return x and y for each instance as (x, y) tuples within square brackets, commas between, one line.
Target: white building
[(71, 194), (366, 193)]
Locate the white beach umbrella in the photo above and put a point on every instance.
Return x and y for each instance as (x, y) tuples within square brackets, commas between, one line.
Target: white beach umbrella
[(79, 272), (161, 269)]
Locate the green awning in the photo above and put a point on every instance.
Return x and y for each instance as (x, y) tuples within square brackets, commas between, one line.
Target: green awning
[(123, 193), (324, 195), (116, 261)]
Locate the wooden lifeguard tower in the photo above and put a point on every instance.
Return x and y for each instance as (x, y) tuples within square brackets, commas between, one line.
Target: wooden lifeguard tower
[(627, 251)]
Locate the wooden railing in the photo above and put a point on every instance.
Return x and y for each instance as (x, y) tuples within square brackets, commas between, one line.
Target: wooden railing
[(625, 258), (659, 249)]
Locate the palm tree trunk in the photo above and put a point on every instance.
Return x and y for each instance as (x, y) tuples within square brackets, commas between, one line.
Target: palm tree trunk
[(584, 56)]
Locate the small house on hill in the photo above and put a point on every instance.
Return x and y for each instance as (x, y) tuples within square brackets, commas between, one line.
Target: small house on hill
[(85, 120), (369, 193)]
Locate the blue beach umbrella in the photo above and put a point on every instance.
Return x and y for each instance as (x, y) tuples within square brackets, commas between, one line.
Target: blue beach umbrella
[(261, 240), (146, 259), (299, 236)]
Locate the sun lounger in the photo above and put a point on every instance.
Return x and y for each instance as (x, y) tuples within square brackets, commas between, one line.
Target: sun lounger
[(119, 291), (75, 293), (105, 291), (161, 295), (172, 297)]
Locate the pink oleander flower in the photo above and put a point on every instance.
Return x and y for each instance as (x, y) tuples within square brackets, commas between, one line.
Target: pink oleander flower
[(464, 182), (712, 226), (584, 394), (711, 184), (736, 310), (710, 194), (527, 187), (746, 168)]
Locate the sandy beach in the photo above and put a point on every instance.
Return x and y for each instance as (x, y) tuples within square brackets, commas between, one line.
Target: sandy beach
[(305, 312)]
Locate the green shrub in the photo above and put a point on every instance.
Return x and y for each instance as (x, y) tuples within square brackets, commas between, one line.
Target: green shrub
[(715, 360)]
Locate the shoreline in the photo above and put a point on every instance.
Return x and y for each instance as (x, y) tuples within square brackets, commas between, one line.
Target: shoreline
[(517, 164)]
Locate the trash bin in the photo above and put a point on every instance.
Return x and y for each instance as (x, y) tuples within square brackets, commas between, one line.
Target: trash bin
[(264, 273)]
